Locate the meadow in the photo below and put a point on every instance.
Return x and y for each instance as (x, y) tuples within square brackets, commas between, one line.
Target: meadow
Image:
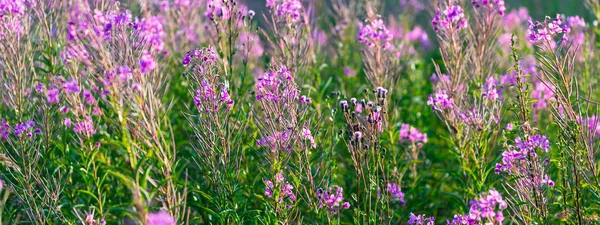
[(164, 112)]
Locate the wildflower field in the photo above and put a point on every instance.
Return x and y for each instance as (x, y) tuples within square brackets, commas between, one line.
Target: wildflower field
[(164, 112)]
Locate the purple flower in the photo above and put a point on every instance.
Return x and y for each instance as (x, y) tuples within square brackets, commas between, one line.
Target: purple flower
[(285, 190), (85, 127), (332, 199), (396, 193), (23, 128), (4, 129), (71, 87), (287, 11), (147, 62), (452, 17), (440, 101), (411, 135), (374, 34), (52, 95), (160, 218), (493, 5), (538, 32), (420, 220), (544, 94), (308, 136), (349, 72)]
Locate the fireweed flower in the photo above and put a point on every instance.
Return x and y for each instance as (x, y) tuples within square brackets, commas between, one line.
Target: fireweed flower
[(332, 199), (440, 101), (396, 193), (160, 218), (543, 94), (147, 62), (280, 190), (374, 34), (487, 209), (515, 19), (308, 136), (4, 129), (211, 94), (85, 127), (12, 15), (23, 128), (543, 33), (52, 95), (420, 220), (592, 124), (493, 5), (409, 134), (491, 90), (451, 18), (287, 11), (71, 87), (522, 161)]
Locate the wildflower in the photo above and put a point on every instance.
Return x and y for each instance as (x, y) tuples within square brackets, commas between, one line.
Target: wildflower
[(490, 90), (281, 188), (4, 129), (147, 62), (85, 127), (544, 94), (411, 135), (487, 208), (420, 220), (332, 199), (23, 128), (440, 101), (287, 11), (71, 87), (494, 5), (349, 72), (396, 193), (545, 31), (52, 95), (308, 136), (374, 34), (515, 19), (160, 218), (452, 17), (151, 33)]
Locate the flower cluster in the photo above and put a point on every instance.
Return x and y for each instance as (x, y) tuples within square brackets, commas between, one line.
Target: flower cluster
[(484, 210), (25, 128), (276, 140), (440, 100), (276, 84), (543, 32), (4, 129), (543, 94), (494, 5), (491, 90), (12, 12), (521, 158), (420, 220), (453, 17), (515, 19), (591, 123), (409, 134), (374, 34), (332, 199), (308, 136), (287, 11), (211, 94), (396, 193), (160, 218), (280, 190)]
